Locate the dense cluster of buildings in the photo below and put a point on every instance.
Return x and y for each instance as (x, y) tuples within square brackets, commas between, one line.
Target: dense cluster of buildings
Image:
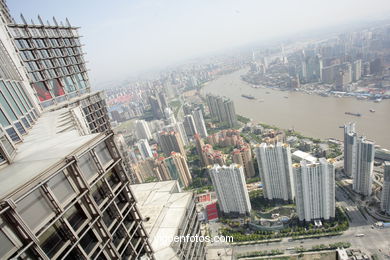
[(351, 63), (222, 109)]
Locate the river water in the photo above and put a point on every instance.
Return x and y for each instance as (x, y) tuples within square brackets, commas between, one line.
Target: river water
[(312, 115)]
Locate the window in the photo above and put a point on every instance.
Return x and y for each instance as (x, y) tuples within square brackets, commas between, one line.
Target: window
[(119, 235), (19, 99), (88, 166), (75, 216), (12, 134), (88, 241), (7, 107), (61, 187), (109, 216), (128, 221), (113, 178), (121, 200), (103, 153), (53, 240), (6, 244), (7, 146), (3, 120), (99, 192), (34, 209)]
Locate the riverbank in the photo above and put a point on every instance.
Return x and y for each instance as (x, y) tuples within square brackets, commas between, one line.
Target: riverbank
[(311, 115)]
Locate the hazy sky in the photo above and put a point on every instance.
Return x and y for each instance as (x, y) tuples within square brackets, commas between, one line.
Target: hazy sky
[(125, 37)]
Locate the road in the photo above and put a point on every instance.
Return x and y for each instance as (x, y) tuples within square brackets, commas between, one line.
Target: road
[(375, 241), (372, 242)]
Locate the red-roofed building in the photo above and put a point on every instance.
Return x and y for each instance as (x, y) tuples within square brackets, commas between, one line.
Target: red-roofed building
[(212, 211)]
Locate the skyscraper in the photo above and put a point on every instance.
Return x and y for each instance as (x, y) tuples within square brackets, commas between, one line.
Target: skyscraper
[(169, 116), (144, 149), (275, 169), (199, 122), (177, 127), (222, 109), (230, 186), (350, 144), (171, 142), (385, 198), (362, 177), (156, 107), (243, 156), (315, 190), (171, 213), (189, 126), (174, 167), (358, 160), (142, 130), (64, 191)]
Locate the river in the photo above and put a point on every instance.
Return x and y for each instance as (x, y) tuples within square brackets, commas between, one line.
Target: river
[(312, 115)]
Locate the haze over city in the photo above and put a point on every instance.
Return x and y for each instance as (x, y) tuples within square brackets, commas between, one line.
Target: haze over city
[(196, 130), (125, 38)]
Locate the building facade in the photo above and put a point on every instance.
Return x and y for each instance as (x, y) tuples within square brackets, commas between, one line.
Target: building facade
[(174, 167), (350, 146), (64, 192), (199, 122), (230, 186), (189, 126), (142, 130), (315, 190), (144, 149), (171, 142), (362, 177), (222, 109), (275, 169), (243, 156), (385, 198)]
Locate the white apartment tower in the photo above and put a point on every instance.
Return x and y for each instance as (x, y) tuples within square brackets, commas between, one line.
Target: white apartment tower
[(362, 177), (358, 160), (189, 126), (275, 169), (230, 186), (315, 190), (385, 201), (144, 149), (199, 122), (142, 130)]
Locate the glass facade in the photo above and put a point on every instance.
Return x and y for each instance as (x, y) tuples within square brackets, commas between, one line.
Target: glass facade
[(54, 60)]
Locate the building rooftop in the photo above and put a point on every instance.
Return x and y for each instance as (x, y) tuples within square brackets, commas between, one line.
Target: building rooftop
[(163, 208), (304, 156), (53, 137)]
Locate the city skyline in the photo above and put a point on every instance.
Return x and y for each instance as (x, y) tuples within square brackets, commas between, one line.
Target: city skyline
[(158, 39)]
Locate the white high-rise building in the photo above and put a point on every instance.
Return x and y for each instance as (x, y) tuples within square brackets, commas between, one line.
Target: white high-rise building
[(230, 186), (362, 177), (222, 109), (144, 149), (169, 116), (142, 130), (276, 171), (385, 198), (358, 160), (315, 190), (189, 126), (199, 122)]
